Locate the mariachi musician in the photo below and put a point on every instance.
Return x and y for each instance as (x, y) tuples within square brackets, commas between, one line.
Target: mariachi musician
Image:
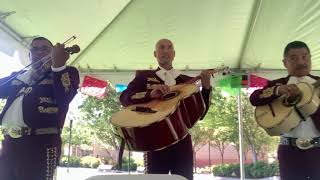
[(152, 84), (299, 148), (35, 111)]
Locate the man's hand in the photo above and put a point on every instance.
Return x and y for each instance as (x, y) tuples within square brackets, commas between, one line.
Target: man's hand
[(159, 90), (59, 55), (205, 79), (289, 90)]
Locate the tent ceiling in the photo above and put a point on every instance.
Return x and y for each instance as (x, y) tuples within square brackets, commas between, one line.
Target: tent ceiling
[(120, 34)]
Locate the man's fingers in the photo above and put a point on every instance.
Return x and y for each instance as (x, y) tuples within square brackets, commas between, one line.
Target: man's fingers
[(163, 89), (167, 88), (292, 90)]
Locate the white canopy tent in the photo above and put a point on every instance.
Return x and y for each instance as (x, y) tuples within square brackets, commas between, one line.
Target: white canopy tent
[(118, 36)]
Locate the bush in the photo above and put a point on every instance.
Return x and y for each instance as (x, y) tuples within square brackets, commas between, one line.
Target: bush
[(125, 164), (204, 170), (257, 170), (74, 161), (226, 170), (262, 169), (90, 162)]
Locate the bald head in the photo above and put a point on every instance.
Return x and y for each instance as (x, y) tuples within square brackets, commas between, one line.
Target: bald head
[(162, 41), (164, 52)]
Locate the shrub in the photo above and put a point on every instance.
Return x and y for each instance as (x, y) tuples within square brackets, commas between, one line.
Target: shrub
[(226, 170), (125, 164), (74, 161), (262, 169), (90, 162), (257, 170)]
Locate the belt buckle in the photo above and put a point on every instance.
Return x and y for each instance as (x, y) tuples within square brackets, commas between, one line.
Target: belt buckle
[(304, 143), (14, 132)]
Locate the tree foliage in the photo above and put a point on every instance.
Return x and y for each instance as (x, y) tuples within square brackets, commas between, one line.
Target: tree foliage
[(81, 134), (97, 113), (254, 136), (222, 126)]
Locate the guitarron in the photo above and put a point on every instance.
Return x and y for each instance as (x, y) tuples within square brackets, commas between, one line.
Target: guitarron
[(161, 122), (285, 113)]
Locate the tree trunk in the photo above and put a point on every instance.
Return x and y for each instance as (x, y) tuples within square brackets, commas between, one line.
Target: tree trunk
[(238, 152), (222, 157), (110, 155), (254, 154), (194, 161), (221, 149), (76, 150), (209, 146)]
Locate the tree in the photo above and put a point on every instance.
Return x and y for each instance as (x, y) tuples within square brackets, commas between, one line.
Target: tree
[(256, 138), (97, 113), (220, 121), (81, 134), (199, 135)]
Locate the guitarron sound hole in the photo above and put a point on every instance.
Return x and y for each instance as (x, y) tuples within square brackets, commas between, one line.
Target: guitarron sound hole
[(170, 95)]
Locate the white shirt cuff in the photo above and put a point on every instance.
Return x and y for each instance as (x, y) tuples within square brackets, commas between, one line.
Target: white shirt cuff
[(58, 69)]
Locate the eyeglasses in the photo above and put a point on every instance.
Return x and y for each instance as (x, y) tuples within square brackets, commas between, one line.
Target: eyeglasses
[(42, 48)]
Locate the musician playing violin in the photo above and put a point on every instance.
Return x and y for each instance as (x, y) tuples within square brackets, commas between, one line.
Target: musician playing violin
[(37, 101), (152, 84), (299, 148)]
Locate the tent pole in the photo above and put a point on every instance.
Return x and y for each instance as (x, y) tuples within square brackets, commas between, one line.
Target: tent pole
[(240, 120), (70, 136)]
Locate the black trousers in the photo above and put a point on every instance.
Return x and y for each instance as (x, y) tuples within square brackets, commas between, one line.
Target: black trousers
[(177, 159), (297, 164), (29, 157)]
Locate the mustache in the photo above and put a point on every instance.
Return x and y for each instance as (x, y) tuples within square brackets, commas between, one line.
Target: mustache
[(301, 66)]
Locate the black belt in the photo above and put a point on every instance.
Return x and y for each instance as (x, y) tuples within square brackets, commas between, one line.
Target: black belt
[(301, 143), (25, 131)]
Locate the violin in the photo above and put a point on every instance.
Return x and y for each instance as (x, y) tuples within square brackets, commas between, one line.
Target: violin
[(45, 62)]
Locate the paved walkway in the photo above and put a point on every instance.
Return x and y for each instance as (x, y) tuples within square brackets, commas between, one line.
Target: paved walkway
[(84, 173)]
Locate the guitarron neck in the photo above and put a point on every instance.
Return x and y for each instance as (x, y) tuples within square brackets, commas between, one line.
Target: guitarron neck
[(193, 80), (212, 72)]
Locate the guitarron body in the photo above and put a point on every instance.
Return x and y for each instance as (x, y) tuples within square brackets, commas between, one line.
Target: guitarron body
[(162, 122), (281, 116)]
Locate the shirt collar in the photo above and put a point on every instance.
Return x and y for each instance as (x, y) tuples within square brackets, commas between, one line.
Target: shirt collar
[(295, 79), (174, 73), (168, 76)]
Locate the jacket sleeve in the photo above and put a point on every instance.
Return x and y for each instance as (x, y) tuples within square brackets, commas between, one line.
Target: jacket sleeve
[(65, 84), (265, 95), (316, 118), (206, 94), (136, 92)]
